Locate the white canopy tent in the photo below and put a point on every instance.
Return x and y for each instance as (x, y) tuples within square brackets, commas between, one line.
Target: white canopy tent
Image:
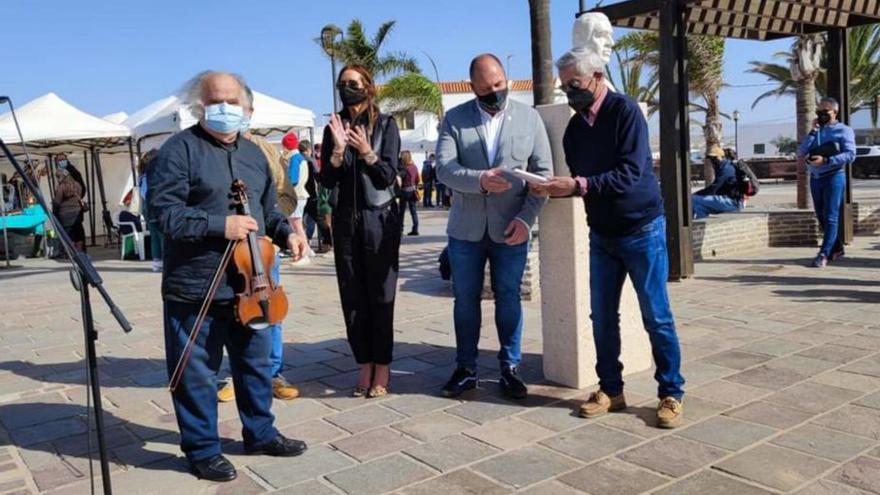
[(50, 125), (422, 139), (153, 124), (116, 118)]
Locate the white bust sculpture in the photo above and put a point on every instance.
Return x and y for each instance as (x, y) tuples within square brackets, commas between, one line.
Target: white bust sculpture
[(593, 34)]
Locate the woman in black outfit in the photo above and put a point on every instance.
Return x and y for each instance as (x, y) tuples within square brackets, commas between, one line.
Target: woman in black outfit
[(359, 155)]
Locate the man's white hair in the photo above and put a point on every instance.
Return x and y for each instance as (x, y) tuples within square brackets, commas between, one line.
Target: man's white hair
[(193, 92), (585, 62)]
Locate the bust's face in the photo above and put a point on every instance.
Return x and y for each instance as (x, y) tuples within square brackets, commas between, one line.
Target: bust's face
[(602, 40)]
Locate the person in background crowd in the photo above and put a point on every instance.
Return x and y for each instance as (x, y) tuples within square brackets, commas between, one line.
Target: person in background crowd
[(281, 389), (828, 174), (62, 162), (10, 195), (155, 234), (67, 206), (298, 176), (608, 153), (325, 212), (409, 192), (723, 195), (492, 216), (428, 181), (311, 211), (190, 184), (360, 154)]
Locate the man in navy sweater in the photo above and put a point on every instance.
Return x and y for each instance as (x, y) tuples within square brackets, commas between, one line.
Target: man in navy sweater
[(606, 149)]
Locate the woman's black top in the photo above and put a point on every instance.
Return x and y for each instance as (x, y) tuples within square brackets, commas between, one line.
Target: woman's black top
[(347, 177)]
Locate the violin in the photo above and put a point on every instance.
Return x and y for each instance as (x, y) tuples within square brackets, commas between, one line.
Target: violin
[(261, 302)]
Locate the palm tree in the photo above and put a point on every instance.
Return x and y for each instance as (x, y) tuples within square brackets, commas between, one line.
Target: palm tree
[(631, 73), (542, 57), (412, 92), (356, 48), (705, 71)]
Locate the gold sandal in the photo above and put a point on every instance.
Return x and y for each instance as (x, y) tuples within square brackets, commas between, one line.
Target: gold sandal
[(377, 391)]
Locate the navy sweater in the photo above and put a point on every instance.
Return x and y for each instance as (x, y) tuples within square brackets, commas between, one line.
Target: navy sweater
[(615, 158), (190, 182)]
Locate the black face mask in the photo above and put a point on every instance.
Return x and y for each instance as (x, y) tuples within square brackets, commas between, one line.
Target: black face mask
[(493, 102), (823, 118), (352, 96), (580, 99)]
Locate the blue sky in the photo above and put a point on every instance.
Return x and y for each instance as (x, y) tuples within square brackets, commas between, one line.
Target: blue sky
[(114, 55)]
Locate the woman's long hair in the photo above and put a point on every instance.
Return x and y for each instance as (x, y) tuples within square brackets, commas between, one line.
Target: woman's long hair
[(370, 88), (406, 157)]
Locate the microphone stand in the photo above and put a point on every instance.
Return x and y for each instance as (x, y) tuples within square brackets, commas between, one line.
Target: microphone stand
[(83, 275)]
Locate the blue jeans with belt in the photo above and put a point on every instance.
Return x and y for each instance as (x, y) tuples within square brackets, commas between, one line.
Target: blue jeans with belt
[(195, 399), (641, 256), (827, 193), (506, 267)]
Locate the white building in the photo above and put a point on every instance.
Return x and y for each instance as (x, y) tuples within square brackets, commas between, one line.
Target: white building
[(756, 140)]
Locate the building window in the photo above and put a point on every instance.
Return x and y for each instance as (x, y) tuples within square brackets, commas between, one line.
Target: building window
[(760, 149), (405, 121)]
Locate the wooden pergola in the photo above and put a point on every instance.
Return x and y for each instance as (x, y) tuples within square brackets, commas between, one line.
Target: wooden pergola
[(758, 20)]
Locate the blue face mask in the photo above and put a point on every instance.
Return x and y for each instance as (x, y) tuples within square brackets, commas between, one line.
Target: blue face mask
[(62, 163), (224, 118), (245, 124)]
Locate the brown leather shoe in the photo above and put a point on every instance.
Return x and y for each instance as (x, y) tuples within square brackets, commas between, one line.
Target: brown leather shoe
[(600, 403), (669, 413), (283, 390)]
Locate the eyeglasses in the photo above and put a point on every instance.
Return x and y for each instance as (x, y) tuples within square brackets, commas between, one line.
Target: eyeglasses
[(820, 113), (351, 84), (573, 84)]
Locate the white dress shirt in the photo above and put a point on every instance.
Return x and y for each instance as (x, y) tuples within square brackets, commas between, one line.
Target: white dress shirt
[(492, 126)]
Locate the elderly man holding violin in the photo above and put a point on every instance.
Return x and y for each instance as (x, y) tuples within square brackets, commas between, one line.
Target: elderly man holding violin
[(215, 293)]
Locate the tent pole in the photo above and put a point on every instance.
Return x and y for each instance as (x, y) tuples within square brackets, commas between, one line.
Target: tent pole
[(5, 233), (105, 213), (50, 174), (90, 179)]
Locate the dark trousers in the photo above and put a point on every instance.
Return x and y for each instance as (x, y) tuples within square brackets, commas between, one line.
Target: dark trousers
[(367, 248), (441, 194), (195, 400), (408, 201), (325, 237), (428, 198)]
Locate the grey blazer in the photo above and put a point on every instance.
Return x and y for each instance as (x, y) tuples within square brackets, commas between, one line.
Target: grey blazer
[(462, 157)]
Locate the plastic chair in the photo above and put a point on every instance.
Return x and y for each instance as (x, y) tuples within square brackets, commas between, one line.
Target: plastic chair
[(130, 226)]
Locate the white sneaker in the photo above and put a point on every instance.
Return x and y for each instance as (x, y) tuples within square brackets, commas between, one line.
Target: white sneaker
[(311, 253), (157, 265)]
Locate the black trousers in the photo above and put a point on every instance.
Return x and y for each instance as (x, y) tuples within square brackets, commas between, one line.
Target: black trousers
[(366, 245)]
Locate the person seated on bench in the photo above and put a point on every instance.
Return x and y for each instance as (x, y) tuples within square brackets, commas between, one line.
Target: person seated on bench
[(724, 194)]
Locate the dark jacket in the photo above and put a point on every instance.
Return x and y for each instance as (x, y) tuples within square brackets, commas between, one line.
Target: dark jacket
[(347, 177), (614, 156), (725, 183), (190, 183)]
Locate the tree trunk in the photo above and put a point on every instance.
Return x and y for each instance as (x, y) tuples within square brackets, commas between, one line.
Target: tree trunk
[(806, 109), (542, 57), (712, 134)]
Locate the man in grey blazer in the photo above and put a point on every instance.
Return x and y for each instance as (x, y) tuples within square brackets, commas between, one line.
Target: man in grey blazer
[(492, 215)]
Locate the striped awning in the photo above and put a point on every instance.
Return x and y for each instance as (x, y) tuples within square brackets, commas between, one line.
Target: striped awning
[(750, 19)]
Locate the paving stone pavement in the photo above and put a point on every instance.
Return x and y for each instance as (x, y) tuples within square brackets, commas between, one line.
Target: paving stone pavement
[(782, 362)]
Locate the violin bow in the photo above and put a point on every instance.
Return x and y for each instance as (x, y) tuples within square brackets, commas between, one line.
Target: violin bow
[(200, 319)]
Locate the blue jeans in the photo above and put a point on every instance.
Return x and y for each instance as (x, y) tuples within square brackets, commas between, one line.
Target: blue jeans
[(506, 266), (276, 355), (827, 195), (707, 205), (643, 257), (195, 400)]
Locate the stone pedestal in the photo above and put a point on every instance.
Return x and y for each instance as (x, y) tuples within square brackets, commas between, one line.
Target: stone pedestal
[(569, 353)]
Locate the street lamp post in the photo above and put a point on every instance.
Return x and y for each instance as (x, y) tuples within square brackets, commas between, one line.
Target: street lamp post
[(736, 131), (328, 40)]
